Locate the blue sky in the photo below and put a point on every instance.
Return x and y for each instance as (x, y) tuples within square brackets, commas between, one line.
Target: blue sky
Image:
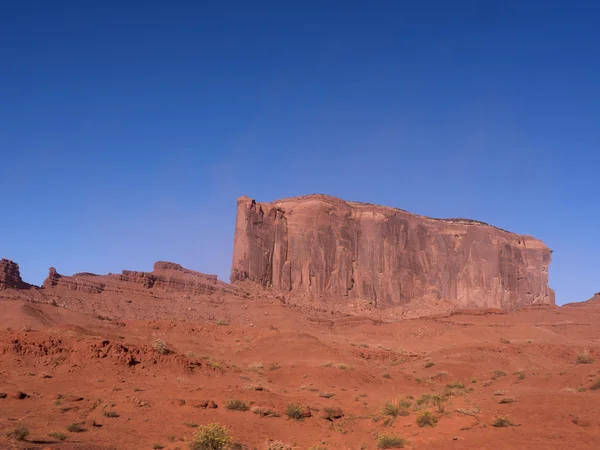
[(128, 129)]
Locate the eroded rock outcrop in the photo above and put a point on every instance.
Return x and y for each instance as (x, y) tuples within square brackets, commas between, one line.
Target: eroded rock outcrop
[(10, 277), (322, 245), (166, 277)]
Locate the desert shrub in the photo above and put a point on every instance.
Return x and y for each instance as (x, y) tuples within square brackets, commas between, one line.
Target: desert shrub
[(111, 414), (395, 408), (505, 400), (595, 386), (390, 441), (423, 400), (455, 385), (160, 347), (585, 358), (256, 366), (501, 422), (274, 366), (75, 427), (504, 341), (520, 375), (58, 435), (18, 433), (210, 437), (326, 394), (222, 322), (265, 412), (498, 373), (157, 446), (236, 405), (278, 445), (386, 375), (294, 411), (438, 402), (426, 418), (429, 364)]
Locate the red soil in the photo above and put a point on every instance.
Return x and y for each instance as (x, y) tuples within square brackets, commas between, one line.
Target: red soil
[(74, 366)]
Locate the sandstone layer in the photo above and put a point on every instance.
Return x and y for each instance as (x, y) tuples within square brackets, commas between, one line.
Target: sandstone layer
[(325, 246)]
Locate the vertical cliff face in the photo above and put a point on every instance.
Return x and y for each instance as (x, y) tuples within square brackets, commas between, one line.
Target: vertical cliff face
[(326, 246)]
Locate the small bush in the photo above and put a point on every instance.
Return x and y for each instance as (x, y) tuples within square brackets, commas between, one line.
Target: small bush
[(390, 441), (160, 347), (111, 414), (498, 373), (157, 446), (455, 385), (18, 433), (265, 412), (429, 364), (505, 400), (75, 427), (426, 419), (386, 375), (395, 408), (294, 411), (520, 375), (223, 322), (58, 435), (236, 405), (501, 422), (595, 386), (326, 394), (278, 445), (585, 358), (424, 399), (504, 341), (256, 366), (190, 424), (210, 437), (274, 366)]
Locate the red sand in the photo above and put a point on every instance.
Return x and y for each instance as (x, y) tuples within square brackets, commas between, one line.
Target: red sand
[(73, 367)]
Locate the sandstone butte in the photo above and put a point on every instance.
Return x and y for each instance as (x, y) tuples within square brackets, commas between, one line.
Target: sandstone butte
[(323, 246)]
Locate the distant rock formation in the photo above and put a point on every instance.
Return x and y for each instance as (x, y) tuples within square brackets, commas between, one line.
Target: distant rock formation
[(325, 246), (166, 276), (10, 277)]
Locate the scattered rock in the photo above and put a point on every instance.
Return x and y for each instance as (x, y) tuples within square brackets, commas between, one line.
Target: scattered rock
[(18, 395)]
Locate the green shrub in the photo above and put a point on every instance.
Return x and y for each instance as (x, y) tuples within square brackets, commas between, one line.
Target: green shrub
[(390, 441), (58, 435), (18, 433), (498, 373), (210, 437), (501, 422), (294, 411), (278, 445), (395, 408), (426, 418), (236, 405), (75, 427)]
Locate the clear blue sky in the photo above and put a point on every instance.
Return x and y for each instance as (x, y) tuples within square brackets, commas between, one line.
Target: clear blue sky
[(128, 129)]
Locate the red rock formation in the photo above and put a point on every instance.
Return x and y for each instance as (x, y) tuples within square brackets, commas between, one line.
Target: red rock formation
[(326, 246), (166, 276), (10, 277)]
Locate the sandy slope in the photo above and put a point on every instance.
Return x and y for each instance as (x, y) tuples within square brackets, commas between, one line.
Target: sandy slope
[(74, 367)]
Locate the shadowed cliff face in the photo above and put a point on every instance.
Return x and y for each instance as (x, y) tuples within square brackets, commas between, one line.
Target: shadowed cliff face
[(323, 245)]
